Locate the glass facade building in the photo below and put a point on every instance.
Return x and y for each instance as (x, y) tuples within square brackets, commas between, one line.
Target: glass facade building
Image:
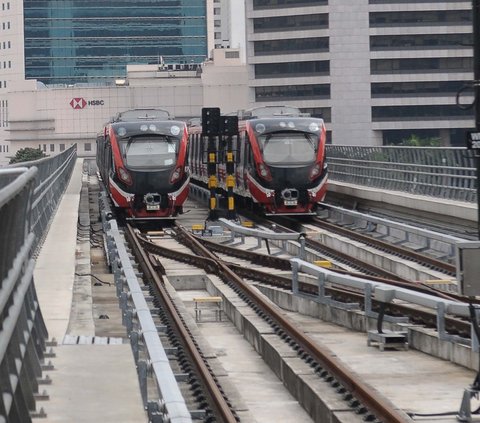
[(80, 41)]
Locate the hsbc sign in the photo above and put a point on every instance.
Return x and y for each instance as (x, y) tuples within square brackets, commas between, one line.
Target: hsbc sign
[(78, 103), (81, 103)]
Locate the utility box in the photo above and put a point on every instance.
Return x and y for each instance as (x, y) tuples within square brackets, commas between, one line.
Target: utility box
[(468, 268)]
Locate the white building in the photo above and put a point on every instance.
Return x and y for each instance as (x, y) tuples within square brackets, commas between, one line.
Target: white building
[(54, 118)]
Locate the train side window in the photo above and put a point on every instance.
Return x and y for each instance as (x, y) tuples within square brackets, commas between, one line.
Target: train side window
[(248, 159)]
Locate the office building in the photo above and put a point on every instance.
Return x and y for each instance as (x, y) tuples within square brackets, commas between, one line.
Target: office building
[(378, 71), (71, 42)]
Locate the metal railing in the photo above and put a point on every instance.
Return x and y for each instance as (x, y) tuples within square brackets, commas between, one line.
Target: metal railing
[(51, 181), (443, 172), (29, 194), (150, 354)]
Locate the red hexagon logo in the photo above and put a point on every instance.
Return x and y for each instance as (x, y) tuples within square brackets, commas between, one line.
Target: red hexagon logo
[(78, 103)]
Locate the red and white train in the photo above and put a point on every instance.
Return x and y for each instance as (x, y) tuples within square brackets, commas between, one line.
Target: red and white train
[(142, 159), (280, 161)]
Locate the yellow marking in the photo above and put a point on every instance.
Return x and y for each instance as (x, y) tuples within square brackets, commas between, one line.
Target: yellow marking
[(323, 263), (198, 227), (212, 181), (207, 299), (247, 224), (229, 156), (213, 203), (231, 203), (230, 181), (211, 157), (435, 281), (155, 233)]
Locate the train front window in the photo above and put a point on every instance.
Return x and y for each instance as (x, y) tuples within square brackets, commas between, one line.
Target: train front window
[(150, 152), (287, 148)]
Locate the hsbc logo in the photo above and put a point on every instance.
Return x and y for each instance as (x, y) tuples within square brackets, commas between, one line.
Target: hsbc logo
[(78, 103), (81, 103)]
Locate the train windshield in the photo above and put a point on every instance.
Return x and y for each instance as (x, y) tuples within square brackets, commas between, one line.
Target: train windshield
[(150, 152), (288, 147)]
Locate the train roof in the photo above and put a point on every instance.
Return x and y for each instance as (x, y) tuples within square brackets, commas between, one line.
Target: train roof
[(135, 115), (270, 112)]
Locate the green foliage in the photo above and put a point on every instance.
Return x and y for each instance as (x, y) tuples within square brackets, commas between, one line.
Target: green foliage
[(416, 141), (27, 155)]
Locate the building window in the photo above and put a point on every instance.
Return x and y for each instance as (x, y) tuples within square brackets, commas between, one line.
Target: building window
[(52, 147), (45, 147), (292, 68), (88, 146), (286, 23), (232, 54), (62, 147)]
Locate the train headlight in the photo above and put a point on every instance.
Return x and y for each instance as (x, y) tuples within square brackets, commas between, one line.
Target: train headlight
[(313, 127), (176, 174), (264, 172), (124, 176), (260, 128), (315, 171)]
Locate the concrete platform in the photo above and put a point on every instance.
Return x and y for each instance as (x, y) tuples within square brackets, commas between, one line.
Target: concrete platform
[(441, 206), (90, 382)]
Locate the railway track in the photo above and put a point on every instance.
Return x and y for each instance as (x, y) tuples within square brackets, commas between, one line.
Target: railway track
[(244, 279), (327, 368)]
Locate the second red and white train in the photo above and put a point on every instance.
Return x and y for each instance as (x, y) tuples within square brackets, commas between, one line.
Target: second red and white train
[(280, 164)]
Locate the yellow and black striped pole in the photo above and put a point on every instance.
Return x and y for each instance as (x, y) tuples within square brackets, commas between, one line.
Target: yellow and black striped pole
[(211, 129), (230, 130)]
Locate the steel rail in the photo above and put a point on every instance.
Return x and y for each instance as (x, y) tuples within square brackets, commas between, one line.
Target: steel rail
[(378, 405), (219, 403)]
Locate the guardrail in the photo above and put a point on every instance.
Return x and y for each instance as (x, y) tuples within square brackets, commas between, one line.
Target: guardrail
[(29, 194), (150, 355), (384, 293), (53, 176), (448, 173)]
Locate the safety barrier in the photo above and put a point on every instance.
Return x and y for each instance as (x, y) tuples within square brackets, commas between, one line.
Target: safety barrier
[(384, 293), (150, 355), (448, 173), (29, 194), (52, 179)]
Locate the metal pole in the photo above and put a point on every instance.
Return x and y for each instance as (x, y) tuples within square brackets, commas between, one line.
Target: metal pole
[(476, 77)]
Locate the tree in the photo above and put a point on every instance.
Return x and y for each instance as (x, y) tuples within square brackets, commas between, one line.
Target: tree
[(416, 141), (27, 155)]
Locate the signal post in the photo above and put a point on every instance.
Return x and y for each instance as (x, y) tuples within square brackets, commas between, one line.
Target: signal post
[(211, 129), (229, 128)]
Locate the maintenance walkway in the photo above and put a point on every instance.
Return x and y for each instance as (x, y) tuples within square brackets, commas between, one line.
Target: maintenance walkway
[(93, 378)]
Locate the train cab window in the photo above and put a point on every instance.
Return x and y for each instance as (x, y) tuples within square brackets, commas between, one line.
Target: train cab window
[(288, 147), (146, 152)]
